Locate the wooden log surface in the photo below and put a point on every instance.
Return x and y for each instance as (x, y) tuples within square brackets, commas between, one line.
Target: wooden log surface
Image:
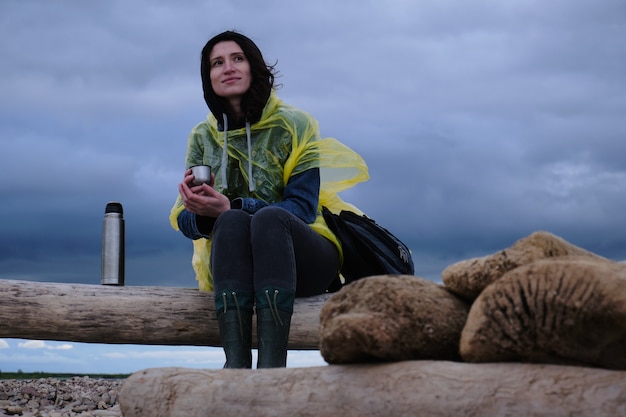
[(130, 314), (412, 388)]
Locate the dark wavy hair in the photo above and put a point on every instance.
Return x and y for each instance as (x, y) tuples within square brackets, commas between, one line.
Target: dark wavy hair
[(261, 85)]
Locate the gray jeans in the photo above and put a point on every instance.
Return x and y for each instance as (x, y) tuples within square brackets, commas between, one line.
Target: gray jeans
[(271, 248)]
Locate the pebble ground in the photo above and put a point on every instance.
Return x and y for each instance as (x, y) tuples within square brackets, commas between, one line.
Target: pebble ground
[(51, 397)]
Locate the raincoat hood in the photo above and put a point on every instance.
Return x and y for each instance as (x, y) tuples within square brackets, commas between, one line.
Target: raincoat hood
[(262, 78)]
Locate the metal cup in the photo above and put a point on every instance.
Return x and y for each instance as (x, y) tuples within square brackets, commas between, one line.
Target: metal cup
[(201, 174)]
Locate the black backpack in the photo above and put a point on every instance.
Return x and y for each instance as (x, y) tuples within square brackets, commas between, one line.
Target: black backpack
[(368, 248)]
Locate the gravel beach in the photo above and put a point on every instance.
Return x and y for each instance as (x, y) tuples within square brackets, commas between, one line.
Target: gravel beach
[(51, 397)]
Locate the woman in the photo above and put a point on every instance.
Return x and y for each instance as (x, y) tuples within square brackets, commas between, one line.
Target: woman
[(259, 237)]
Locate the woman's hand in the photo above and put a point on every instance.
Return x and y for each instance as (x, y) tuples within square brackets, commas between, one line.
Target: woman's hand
[(202, 199)]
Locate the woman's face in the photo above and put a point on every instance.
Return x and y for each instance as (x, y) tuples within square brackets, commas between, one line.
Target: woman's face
[(230, 72)]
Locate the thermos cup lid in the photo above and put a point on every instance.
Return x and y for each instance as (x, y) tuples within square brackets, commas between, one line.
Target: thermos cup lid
[(114, 207)]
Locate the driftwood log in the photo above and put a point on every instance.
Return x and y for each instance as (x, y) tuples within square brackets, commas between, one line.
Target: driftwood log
[(135, 315), (412, 388)]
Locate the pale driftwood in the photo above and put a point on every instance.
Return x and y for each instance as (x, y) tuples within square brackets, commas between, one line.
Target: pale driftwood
[(414, 388), (135, 315)]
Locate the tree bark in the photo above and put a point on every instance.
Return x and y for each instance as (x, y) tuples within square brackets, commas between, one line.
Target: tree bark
[(134, 315), (412, 388)]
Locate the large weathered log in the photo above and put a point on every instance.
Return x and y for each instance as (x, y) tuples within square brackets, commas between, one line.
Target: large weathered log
[(414, 388), (136, 315)]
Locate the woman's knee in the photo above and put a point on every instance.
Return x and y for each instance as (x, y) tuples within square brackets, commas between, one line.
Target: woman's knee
[(270, 217), (232, 217)]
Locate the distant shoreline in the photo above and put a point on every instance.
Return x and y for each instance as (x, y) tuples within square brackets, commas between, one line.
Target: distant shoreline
[(57, 375)]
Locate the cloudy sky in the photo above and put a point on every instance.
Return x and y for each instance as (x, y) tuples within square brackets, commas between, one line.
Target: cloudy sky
[(481, 122)]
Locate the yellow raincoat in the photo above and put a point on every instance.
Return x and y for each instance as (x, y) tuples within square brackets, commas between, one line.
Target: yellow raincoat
[(284, 142)]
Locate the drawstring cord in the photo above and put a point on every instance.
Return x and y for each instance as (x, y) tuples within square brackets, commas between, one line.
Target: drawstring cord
[(251, 184), (225, 153), (234, 294), (274, 310)]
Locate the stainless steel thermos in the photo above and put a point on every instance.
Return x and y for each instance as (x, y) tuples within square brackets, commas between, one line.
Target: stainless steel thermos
[(113, 245)]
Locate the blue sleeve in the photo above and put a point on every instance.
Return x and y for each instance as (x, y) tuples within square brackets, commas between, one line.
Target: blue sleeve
[(301, 197), (194, 226)]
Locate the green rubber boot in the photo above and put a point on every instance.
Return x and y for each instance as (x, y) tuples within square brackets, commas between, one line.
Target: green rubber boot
[(234, 315), (274, 307)]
